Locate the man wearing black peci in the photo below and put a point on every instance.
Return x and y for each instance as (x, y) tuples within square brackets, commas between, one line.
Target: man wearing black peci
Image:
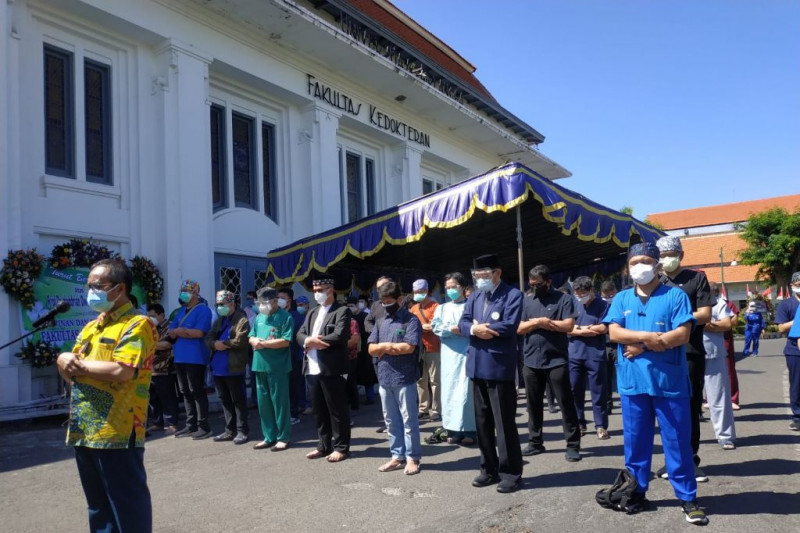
[(323, 336), (490, 319)]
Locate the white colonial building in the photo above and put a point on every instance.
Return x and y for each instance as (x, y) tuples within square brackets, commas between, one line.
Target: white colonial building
[(202, 134)]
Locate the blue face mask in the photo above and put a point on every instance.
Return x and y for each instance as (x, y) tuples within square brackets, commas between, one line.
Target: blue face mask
[(223, 310), (98, 301), (418, 297), (301, 310), (185, 297), (453, 294), (484, 284)]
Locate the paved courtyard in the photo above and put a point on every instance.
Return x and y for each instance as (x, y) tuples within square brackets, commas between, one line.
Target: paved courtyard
[(208, 487)]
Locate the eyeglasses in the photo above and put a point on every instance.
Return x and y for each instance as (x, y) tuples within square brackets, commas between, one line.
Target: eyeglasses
[(100, 286), (482, 274)]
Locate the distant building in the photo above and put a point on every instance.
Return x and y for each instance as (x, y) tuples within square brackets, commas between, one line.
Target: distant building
[(712, 244)]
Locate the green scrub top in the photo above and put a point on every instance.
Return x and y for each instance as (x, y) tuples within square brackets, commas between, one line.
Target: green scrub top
[(278, 325)]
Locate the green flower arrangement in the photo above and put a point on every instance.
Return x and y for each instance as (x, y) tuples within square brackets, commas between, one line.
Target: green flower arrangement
[(146, 274), (20, 268), (39, 353)]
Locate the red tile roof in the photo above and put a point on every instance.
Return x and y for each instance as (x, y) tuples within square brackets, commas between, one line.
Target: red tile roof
[(721, 214), (704, 249), (733, 274), (390, 17), (702, 252)]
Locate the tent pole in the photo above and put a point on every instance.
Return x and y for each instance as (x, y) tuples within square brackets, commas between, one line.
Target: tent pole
[(519, 248)]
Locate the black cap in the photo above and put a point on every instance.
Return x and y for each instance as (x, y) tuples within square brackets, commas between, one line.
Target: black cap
[(485, 261), (322, 279), (352, 300)]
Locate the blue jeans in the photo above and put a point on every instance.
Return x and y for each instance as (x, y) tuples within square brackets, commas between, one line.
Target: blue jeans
[(115, 485), (402, 421)]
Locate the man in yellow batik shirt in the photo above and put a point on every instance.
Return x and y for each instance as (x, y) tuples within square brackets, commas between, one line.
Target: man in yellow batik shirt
[(109, 369)]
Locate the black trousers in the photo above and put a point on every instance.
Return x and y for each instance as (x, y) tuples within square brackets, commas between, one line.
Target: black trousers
[(352, 383), (163, 406), (329, 402), (232, 394), (558, 378), (192, 384), (697, 372), (611, 373), (498, 438)]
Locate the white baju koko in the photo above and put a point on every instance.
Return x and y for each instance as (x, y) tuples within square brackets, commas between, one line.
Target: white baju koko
[(458, 413)]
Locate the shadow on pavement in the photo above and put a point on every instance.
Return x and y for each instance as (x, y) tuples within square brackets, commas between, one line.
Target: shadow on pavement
[(763, 417), (744, 503), (578, 478), (758, 467), (761, 405)]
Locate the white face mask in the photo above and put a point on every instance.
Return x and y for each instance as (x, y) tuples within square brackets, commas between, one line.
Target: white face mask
[(264, 309), (362, 306), (282, 303), (584, 299), (642, 273), (154, 320), (796, 290), (320, 297), (670, 264)]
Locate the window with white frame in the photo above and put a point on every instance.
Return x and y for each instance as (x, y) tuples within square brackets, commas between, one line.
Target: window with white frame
[(77, 115), (243, 158), (433, 180), (358, 182)]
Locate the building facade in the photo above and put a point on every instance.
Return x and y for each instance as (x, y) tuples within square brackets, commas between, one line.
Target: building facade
[(202, 134), (711, 241)]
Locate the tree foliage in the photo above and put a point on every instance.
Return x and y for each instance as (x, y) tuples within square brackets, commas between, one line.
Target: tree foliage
[(773, 243), (626, 210)]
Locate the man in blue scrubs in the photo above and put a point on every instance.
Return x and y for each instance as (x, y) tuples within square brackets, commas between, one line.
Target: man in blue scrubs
[(587, 357), (652, 323)]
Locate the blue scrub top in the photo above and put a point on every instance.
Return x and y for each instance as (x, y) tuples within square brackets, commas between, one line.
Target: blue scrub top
[(666, 373), (193, 351), (589, 348)]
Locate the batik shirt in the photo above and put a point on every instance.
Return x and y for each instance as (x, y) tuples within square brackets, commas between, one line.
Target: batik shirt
[(103, 414)]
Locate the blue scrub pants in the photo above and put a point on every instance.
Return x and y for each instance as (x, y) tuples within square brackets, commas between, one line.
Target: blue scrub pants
[(638, 428), (751, 336), (593, 372)]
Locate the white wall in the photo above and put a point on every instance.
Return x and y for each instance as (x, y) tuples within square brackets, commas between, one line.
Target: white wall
[(169, 61)]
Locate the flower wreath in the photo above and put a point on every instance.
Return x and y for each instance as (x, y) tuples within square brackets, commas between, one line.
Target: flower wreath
[(39, 353), (79, 253), (20, 268)]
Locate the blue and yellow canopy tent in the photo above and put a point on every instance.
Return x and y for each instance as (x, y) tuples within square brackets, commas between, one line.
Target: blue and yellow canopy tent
[(511, 211)]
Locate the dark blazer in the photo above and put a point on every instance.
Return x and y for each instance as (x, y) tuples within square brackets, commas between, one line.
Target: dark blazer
[(336, 332), (495, 358)]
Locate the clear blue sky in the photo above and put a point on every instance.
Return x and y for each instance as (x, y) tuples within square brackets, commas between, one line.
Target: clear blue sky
[(656, 105)]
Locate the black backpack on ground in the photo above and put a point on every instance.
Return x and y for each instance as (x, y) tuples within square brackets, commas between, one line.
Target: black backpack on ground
[(622, 495)]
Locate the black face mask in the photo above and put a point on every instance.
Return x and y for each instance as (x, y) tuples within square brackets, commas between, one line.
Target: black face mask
[(391, 309), (541, 290)]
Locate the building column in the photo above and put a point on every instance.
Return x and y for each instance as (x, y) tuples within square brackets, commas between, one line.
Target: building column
[(319, 159), (12, 374), (181, 87), (405, 181)]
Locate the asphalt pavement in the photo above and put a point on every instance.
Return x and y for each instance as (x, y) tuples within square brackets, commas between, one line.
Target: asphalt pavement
[(205, 486)]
